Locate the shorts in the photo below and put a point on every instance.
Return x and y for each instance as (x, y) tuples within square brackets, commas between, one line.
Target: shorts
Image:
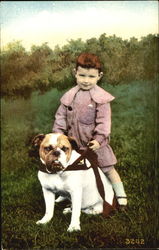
[(106, 169)]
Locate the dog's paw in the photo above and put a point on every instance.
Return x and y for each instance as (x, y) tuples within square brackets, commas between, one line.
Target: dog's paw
[(74, 228), (92, 211), (42, 221), (60, 199), (67, 210)]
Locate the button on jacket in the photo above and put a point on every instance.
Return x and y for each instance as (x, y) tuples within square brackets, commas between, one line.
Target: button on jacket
[(86, 115)]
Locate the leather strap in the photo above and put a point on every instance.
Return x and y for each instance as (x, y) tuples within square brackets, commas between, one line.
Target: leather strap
[(76, 163), (92, 157), (77, 167)]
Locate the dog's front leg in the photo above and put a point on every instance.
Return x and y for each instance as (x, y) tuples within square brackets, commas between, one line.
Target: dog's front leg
[(49, 198), (76, 198)]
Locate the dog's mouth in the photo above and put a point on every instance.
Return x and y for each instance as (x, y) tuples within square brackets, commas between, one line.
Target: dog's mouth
[(54, 167)]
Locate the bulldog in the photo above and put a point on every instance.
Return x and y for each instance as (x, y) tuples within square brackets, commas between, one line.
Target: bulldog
[(57, 152)]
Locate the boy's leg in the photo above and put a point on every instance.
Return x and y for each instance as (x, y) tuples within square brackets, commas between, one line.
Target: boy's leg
[(117, 184)]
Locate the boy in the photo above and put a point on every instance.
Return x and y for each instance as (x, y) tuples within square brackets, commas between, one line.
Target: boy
[(85, 114)]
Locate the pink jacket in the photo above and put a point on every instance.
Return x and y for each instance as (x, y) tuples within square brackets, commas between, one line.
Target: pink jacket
[(86, 115)]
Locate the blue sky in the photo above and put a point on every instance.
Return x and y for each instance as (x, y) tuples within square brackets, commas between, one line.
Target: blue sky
[(56, 22)]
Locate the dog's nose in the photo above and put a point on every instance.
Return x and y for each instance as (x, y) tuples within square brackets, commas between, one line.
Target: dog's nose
[(56, 153)]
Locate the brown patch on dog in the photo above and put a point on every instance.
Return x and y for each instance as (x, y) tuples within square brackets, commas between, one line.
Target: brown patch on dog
[(62, 141)]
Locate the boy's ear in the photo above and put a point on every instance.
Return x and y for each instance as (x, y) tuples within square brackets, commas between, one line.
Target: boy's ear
[(74, 71), (100, 75)]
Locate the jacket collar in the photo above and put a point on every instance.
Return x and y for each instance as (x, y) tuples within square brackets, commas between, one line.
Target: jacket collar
[(98, 95)]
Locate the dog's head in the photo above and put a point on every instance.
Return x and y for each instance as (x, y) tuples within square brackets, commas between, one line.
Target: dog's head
[(54, 149)]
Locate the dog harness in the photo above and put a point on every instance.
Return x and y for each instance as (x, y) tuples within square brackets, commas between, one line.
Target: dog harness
[(81, 165)]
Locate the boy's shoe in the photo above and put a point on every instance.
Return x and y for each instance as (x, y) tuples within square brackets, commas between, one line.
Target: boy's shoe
[(122, 206)]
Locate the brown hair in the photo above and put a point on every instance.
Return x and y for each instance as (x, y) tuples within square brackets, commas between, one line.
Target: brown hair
[(88, 60)]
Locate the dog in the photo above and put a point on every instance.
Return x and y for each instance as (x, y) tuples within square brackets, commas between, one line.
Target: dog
[(57, 152)]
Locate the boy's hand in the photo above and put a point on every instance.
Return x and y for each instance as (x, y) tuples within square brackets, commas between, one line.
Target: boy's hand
[(94, 145)]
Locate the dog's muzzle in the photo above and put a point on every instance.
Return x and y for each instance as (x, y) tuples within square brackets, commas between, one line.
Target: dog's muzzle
[(54, 167)]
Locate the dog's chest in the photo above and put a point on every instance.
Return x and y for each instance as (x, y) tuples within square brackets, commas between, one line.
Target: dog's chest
[(52, 182)]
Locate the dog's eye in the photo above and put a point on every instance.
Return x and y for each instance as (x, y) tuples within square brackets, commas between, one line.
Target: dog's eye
[(49, 148), (64, 148)]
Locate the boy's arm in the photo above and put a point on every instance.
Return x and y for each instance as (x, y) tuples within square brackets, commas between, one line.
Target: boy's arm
[(103, 122), (60, 123)]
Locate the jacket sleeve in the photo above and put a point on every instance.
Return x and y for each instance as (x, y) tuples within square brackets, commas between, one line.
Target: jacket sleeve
[(103, 122), (60, 123)]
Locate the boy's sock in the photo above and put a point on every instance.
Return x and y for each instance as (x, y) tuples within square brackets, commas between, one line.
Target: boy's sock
[(117, 185), (120, 193)]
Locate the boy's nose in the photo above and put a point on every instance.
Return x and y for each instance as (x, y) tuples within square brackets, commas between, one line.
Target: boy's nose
[(86, 80)]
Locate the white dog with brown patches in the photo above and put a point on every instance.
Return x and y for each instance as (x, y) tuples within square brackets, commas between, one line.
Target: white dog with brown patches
[(56, 154)]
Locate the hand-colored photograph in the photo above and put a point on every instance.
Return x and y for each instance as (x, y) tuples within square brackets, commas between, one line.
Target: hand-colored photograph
[(79, 129)]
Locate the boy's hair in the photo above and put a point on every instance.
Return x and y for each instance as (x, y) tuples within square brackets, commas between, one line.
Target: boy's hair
[(88, 60)]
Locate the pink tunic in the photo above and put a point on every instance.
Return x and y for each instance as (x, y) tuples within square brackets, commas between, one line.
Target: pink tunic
[(86, 115)]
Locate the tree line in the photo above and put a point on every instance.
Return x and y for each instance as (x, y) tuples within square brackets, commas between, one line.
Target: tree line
[(43, 68)]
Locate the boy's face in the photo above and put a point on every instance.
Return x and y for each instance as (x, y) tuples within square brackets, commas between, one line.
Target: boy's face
[(87, 78)]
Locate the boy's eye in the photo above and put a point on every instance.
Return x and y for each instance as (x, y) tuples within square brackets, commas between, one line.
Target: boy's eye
[(91, 76), (82, 75)]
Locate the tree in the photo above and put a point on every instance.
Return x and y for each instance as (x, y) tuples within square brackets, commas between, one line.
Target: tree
[(43, 68)]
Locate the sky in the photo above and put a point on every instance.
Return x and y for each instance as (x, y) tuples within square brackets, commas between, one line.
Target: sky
[(57, 22)]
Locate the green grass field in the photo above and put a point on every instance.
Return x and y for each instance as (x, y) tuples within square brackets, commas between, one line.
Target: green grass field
[(133, 141)]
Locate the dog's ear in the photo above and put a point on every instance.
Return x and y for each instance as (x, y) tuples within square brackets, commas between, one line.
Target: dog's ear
[(37, 140), (73, 143), (33, 151)]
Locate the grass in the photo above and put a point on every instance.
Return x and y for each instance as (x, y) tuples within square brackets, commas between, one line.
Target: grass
[(133, 141)]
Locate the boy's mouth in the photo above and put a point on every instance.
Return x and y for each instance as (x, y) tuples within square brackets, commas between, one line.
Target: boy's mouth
[(86, 85)]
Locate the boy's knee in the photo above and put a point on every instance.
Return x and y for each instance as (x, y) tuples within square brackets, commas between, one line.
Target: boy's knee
[(108, 170)]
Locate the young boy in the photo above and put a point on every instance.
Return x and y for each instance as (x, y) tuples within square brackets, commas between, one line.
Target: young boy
[(85, 114)]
